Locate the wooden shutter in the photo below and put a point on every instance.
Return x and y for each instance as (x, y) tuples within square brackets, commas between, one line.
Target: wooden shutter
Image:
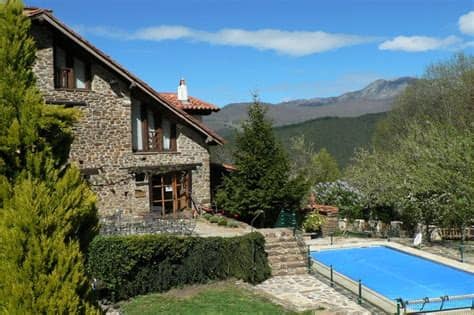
[(173, 145), (158, 132), (71, 82), (144, 128)]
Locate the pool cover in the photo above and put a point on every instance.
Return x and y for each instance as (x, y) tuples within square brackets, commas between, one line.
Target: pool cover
[(396, 274)]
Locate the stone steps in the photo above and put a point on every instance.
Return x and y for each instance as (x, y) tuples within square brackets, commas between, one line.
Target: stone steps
[(284, 255), (289, 264), (274, 259), (292, 271), (285, 252)]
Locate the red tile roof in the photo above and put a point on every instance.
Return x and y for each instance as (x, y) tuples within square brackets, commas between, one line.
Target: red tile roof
[(325, 209), (46, 15), (192, 103)]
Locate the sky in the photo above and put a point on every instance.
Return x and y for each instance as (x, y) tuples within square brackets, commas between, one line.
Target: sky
[(282, 50)]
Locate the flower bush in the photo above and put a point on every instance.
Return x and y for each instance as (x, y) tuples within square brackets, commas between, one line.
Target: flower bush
[(348, 199)]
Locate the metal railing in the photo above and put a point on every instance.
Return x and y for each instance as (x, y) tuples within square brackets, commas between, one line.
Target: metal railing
[(303, 248), (437, 304), (397, 306), (356, 287)]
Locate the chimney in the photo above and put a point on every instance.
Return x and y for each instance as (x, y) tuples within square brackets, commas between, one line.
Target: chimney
[(182, 91)]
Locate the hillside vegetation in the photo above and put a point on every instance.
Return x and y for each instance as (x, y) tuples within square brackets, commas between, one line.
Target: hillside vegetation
[(339, 135)]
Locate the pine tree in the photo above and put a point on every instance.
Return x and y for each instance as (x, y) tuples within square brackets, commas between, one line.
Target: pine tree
[(261, 181), (47, 212)]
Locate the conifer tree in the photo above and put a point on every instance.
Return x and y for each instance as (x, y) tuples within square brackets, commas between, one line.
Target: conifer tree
[(262, 180), (47, 212), (41, 222), (27, 124)]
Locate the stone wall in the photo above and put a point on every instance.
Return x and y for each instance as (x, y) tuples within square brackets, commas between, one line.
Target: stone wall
[(103, 136)]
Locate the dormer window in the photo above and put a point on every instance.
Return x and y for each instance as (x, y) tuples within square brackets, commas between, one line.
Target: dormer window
[(70, 71), (151, 130)]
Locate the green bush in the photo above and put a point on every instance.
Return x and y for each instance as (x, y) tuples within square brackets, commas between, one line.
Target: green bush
[(313, 222), (222, 221), (214, 219), (127, 266), (207, 216), (232, 224)]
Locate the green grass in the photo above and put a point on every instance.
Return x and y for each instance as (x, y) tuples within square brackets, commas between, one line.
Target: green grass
[(219, 298)]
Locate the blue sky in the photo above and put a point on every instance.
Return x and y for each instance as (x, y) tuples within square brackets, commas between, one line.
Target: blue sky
[(282, 49)]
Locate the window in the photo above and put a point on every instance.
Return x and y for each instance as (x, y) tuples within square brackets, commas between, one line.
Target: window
[(169, 193), (70, 72), (151, 131)]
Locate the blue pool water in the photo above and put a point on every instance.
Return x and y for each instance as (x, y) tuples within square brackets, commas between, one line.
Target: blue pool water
[(395, 274)]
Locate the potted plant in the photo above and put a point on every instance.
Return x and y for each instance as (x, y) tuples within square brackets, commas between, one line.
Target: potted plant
[(312, 224)]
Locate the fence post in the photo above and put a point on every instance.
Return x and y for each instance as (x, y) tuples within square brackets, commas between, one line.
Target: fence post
[(359, 298), (461, 251), (332, 280), (309, 259)]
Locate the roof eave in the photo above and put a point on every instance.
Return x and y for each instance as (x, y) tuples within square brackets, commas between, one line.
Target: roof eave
[(46, 16)]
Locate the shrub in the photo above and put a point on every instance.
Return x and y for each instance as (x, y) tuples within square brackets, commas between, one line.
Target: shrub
[(222, 221), (127, 266), (207, 216), (232, 224), (214, 219), (313, 222)]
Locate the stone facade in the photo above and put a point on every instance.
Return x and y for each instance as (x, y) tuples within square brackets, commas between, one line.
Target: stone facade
[(103, 136)]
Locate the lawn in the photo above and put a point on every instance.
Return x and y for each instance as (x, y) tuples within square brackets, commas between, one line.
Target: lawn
[(218, 298)]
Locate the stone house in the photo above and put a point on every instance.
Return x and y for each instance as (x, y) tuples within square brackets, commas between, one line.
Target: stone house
[(143, 152)]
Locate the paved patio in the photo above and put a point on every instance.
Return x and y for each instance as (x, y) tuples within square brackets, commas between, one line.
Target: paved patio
[(207, 229), (306, 292)]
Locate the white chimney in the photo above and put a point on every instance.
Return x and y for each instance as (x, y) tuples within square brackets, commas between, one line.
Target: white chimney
[(182, 91)]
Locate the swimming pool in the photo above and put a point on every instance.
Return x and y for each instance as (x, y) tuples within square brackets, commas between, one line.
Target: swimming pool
[(395, 274)]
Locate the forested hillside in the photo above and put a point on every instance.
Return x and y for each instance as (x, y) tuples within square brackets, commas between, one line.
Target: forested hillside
[(339, 135)]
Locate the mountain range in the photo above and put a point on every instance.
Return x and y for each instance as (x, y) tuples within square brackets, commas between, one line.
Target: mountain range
[(376, 97)]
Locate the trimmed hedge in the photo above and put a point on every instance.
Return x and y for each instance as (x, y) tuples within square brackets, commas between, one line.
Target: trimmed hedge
[(126, 266)]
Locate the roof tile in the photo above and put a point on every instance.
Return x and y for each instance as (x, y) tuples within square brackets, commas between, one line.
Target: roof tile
[(192, 104)]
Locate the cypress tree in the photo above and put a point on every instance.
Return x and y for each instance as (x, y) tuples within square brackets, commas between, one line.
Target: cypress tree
[(47, 212), (262, 180), (27, 124)]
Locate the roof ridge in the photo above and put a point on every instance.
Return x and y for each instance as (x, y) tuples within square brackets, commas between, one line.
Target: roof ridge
[(122, 71)]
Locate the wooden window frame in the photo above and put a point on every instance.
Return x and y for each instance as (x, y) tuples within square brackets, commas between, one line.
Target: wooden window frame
[(157, 142), (177, 193), (68, 71)]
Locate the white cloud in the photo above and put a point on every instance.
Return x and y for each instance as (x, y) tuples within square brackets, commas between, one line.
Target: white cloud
[(419, 43), (466, 23), (295, 43), (164, 32), (101, 31), (467, 44)]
